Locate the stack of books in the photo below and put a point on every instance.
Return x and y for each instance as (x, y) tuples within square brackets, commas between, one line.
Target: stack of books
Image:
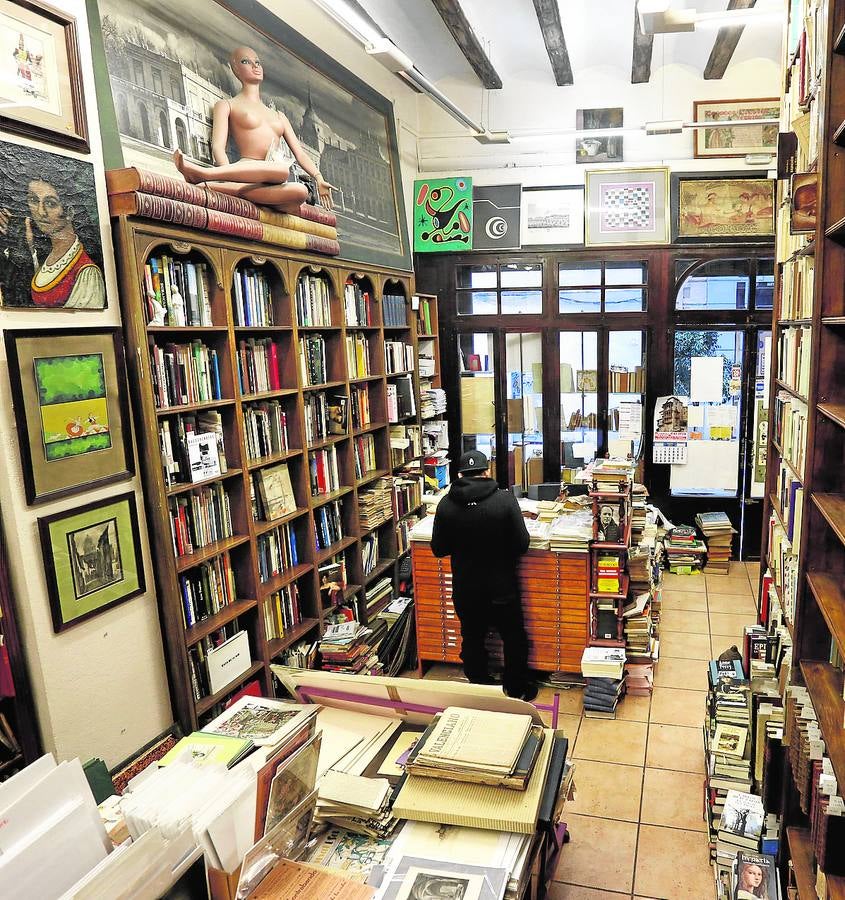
[(754, 875), (612, 476), (684, 552), (603, 662), (718, 533), (548, 510), (571, 531), (375, 503), (639, 629), (360, 805), (740, 826), (639, 514), (601, 695), (538, 534), (344, 648)]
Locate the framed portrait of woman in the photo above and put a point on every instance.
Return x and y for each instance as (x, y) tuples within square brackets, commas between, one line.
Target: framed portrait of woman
[(51, 250), (41, 75)]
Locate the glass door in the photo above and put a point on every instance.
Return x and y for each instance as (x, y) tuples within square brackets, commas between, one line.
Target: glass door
[(478, 394), (524, 402), (579, 367)]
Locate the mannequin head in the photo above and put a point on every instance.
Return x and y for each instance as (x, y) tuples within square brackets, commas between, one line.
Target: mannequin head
[(246, 65)]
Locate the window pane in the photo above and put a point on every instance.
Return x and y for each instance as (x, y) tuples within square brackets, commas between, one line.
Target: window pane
[(577, 274), (477, 303), (681, 265), (478, 411), (572, 301), (764, 293), (578, 397), (522, 301), (720, 284), (626, 384), (477, 277), (625, 273), (514, 275), (624, 300), (524, 380)]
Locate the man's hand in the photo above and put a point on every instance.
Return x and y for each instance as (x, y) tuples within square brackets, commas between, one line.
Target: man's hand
[(324, 191)]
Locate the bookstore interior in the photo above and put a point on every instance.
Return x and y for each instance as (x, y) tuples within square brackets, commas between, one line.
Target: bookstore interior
[(408, 413)]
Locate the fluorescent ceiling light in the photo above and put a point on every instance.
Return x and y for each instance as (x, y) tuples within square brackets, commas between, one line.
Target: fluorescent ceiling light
[(737, 17), (390, 56), (350, 19), (656, 17)]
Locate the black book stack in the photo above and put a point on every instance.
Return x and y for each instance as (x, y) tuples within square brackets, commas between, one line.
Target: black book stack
[(601, 696)]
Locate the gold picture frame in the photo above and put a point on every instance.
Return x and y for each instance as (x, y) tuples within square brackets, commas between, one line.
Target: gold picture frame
[(41, 76), (624, 207), (707, 208), (735, 140)]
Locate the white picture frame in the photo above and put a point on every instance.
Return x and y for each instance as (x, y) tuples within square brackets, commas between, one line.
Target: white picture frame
[(552, 216)]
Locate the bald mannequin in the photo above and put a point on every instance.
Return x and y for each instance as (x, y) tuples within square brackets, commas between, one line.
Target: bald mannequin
[(266, 143)]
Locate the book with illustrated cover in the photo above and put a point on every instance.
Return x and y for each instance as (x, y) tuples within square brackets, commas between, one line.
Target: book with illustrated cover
[(276, 491), (755, 876), (201, 748), (203, 457), (742, 820), (263, 721), (729, 740)]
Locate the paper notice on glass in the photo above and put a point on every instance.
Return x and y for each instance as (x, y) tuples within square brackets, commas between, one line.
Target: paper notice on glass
[(619, 448), (630, 420), (584, 451), (707, 379), (695, 416), (711, 466)]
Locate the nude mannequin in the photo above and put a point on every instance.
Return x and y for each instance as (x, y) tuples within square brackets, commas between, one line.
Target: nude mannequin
[(262, 136)]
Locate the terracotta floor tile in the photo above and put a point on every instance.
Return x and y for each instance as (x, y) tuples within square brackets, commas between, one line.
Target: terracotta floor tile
[(727, 584), (675, 645), (444, 672), (683, 582), (569, 725), (732, 604), (730, 623), (607, 790), (683, 621), (559, 891), (675, 747), (689, 674), (670, 706), (672, 864), (600, 854), (672, 799), (721, 642), (570, 703), (634, 709), (695, 601), (612, 740)]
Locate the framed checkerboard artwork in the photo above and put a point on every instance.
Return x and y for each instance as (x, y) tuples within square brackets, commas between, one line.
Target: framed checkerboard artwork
[(627, 206)]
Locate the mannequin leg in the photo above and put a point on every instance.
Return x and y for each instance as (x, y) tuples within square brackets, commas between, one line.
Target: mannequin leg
[(245, 171), (286, 197)]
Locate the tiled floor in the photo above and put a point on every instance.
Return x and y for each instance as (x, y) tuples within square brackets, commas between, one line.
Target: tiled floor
[(636, 824)]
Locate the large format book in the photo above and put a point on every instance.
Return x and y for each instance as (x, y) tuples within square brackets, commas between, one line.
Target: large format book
[(200, 748), (263, 721), (276, 490), (289, 880), (742, 820), (476, 805)]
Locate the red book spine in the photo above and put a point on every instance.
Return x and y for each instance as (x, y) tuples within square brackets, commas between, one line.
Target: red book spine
[(226, 203), (317, 244), (225, 223), (166, 209), (168, 187), (273, 358), (318, 214)]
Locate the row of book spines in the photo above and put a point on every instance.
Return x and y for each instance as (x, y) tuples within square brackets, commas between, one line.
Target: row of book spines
[(406, 495), (253, 298), (790, 428), (790, 495), (798, 281), (394, 310), (424, 317), (313, 301), (794, 355), (323, 471), (198, 658), (626, 382), (358, 305), (277, 552), (328, 525), (400, 399), (258, 365), (266, 429), (182, 287), (282, 612), (318, 421), (184, 374), (206, 589), (312, 359), (357, 356), (199, 519), (359, 397), (398, 356), (365, 455), (403, 533)]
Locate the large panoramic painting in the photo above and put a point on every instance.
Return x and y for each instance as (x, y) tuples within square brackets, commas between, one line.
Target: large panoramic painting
[(168, 66)]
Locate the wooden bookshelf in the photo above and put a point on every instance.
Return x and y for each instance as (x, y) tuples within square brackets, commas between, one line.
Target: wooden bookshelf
[(293, 279)]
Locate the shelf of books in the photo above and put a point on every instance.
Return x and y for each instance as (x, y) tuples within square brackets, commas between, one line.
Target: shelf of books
[(804, 547), (268, 385), (435, 428)]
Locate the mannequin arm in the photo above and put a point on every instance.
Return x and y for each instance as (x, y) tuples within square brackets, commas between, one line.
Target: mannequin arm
[(324, 189), (220, 132)]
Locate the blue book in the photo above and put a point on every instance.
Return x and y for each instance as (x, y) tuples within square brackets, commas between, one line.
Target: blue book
[(294, 553), (726, 668), (215, 375)]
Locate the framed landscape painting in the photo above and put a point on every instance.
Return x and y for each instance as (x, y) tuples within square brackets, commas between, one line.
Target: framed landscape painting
[(704, 208), (627, 206), (40, 75), (92, 558), (69, 394), (735, 140)]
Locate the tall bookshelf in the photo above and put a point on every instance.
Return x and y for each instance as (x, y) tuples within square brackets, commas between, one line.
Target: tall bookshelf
[(435, 426), (315, 345), (804, 545)]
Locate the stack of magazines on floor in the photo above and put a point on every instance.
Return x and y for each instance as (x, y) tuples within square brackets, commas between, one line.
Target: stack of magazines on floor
[(684, 552), (345, 647), (718, 533), (604, 671)]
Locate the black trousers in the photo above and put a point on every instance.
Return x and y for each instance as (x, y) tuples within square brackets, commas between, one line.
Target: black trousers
[(477, 614)]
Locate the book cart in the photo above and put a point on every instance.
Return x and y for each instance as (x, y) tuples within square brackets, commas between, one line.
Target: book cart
[(314, 354), (609, 579)]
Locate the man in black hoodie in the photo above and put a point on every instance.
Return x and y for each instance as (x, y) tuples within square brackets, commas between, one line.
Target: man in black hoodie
[(481, 528)]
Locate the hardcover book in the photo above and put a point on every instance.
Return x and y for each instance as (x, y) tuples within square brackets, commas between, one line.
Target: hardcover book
[(276, 490)]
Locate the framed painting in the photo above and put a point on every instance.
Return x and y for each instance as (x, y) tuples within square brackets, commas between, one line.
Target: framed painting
[(804, 193), (735, 140), (40, 75), (50, 239), (442, 214), (553, 216), (92, 558), (69, 394), (347, 128), (705, 208), (627, 206), (600, 147)]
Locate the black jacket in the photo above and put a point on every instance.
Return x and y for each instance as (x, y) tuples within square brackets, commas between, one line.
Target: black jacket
[(482, 529)]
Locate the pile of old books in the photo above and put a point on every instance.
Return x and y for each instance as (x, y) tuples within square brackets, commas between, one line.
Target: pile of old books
[(345, 647), (718, 533), (538, 534), (358, 804), (612, 476), (573, 530), (639, 512), (375, 503), (684, 552), (604, 671), (639, 629)]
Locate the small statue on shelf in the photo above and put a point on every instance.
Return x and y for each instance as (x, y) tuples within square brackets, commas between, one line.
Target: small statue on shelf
[(273, 164)]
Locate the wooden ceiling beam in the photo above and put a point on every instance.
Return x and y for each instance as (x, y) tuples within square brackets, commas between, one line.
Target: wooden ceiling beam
[(641, 56), (548, 15), (460, 29), (725, 43)]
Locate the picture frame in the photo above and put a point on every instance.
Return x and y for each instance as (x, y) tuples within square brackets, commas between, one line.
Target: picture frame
[(724, 206), (626, 207), (92, 558), (552, 216), (803, 194), (71, 409), (41, 75), (51, 242), (604, 148), (735, 140)]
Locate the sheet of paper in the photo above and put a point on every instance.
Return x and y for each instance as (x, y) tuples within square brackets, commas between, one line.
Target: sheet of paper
[(403, 743), (630, 420), (619, 448), (353, 790), (695, 416), (711, 466), (707, 379)]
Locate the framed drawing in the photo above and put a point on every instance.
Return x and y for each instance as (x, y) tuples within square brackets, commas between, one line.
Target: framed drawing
[(345, 126), (40, 75), (627, 206), (704, 207), (804, 192), (69, 395), (552, 216), (598, 148), (92, 557), (50, 239), (735, 140)]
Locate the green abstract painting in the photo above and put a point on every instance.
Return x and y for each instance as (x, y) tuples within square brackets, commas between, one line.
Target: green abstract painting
[(442, 215)]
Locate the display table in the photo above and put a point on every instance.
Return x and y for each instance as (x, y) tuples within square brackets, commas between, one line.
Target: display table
[(555, 599)]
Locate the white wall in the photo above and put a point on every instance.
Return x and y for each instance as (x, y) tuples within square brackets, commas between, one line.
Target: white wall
[(100, 687)]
